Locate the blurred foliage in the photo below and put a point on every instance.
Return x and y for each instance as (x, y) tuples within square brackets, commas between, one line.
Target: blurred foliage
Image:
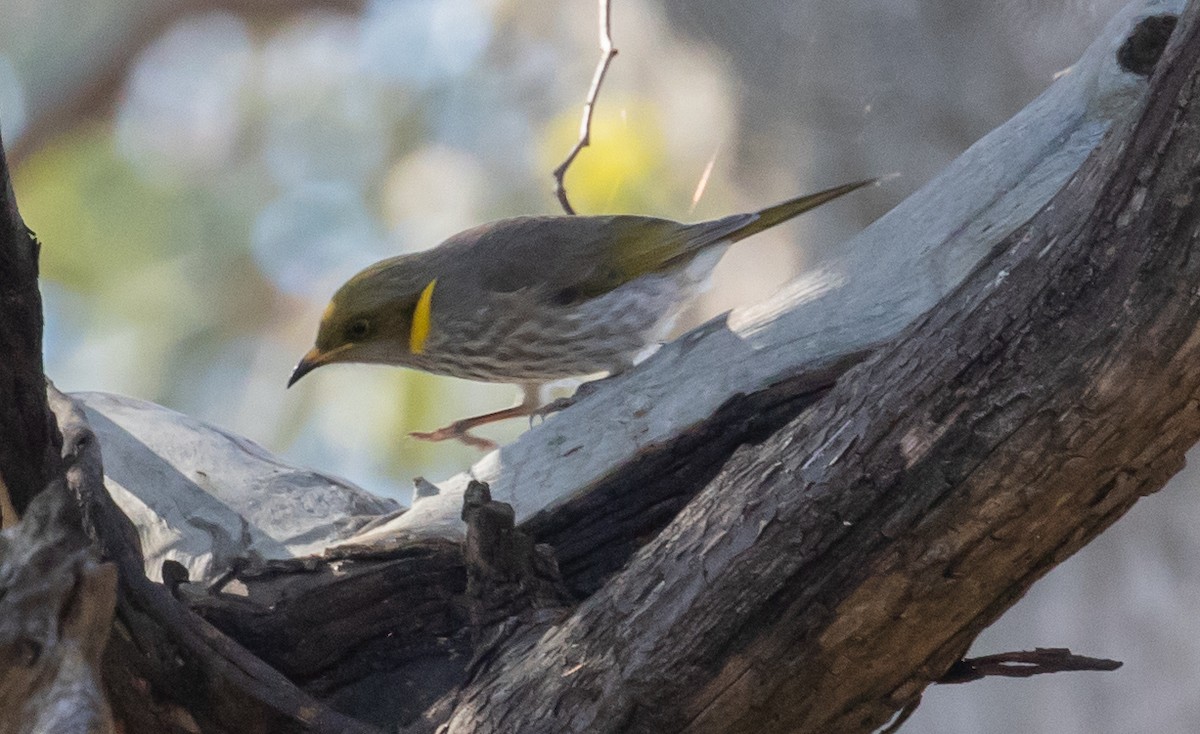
[(106, 224), (624, 169)]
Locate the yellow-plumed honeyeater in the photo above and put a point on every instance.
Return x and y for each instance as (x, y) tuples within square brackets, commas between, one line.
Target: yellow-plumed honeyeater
[(529, 300)]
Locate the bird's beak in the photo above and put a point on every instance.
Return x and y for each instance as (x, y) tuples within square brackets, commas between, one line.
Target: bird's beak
[(310, 361)]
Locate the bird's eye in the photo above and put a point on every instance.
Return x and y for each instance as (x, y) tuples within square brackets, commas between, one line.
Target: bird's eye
[(358, 329)]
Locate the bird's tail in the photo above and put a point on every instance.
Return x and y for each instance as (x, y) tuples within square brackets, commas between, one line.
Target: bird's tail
[(780, 213)]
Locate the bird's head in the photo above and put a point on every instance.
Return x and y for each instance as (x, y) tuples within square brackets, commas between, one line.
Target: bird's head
[(382, 315)]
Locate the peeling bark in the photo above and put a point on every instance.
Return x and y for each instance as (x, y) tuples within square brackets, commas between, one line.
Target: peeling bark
[(56, 607)]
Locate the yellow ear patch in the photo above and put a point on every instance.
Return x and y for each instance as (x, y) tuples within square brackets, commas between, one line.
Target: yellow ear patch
[(419, 331)]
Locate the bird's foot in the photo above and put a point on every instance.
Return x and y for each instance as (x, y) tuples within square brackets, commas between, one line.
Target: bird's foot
[(458, 430), (551, 407), (554, 406)]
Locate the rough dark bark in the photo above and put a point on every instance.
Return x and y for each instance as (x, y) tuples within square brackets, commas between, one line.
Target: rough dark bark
[(595, 533), (56, 599), (379, 631), (29, 442), (508, 574), (1024, 664)]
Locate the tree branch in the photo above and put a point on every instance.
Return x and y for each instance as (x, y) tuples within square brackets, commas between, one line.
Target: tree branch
[(167, 669), (704, 384), (607, 53), (1024, 664), (507, 574), (843, 558)]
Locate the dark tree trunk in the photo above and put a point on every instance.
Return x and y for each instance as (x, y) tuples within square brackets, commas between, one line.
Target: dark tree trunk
[(29, 440), (56, 610), (56, 600)]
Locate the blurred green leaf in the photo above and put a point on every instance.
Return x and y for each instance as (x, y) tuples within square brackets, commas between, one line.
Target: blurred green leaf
[(623, 170)]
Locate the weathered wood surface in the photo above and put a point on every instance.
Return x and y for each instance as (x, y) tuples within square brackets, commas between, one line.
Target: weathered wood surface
[(56, 599), (380, 632), (166, 669), (208, 499), (822, 578)]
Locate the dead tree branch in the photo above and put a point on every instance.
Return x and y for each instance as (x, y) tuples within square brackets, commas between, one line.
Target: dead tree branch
[(843, 553), (507, 574), (1025, 664), (56, 600), (167, 669)]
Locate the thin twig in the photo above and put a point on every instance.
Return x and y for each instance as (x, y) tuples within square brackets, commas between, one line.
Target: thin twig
[(1024, 665), (607, 52)]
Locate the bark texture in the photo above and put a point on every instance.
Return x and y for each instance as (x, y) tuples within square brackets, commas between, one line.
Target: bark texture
[(56, 599), (56, 609), (28, 439)]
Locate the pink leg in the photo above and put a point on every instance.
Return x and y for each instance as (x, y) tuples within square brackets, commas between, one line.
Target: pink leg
[(460, 429)]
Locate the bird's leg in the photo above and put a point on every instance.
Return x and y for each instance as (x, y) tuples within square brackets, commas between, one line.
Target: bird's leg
[(460, 429), (580, 393)]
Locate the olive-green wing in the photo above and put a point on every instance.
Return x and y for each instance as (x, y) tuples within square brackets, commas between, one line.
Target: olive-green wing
[(568, 258), (643, 245), (636, 246)]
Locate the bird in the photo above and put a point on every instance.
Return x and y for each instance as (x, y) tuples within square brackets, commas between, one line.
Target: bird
[(532, 299)]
